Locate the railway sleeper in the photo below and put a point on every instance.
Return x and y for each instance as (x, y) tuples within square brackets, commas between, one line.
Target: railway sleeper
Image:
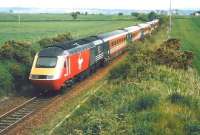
[(12, 118), (6, 123), (25, 109), (2, 127), (18, 115)]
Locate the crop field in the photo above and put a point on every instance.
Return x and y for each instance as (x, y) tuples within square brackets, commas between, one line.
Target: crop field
[(34, 27), (187, 30)]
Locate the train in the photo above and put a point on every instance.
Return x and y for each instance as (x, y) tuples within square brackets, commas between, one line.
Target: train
[(62, 64)]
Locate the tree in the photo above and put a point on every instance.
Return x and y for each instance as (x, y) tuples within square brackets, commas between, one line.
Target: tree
[(78, 12), (135, 14), (142, 17), (152, 15), (11, 11), (120, 14), (74, 15)]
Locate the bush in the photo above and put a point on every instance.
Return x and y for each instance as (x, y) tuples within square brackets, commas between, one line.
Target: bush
[(152, 15), (51, 41), (188, 101), (18, 72), (119, 72), (142, 17), (176, 98), (22, 52), (120, 14), (144, 102), (5, 80), (192, 128), (74, 15), (135, 14), (45, 42), (170, 54)]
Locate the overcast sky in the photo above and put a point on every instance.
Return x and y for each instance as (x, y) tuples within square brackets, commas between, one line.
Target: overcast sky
[(103, 4)]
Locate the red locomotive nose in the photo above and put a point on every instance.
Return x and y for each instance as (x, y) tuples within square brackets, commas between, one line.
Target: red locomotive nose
[(47, 84)]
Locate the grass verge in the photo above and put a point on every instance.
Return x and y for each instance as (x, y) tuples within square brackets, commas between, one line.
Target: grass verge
[(151, 99)]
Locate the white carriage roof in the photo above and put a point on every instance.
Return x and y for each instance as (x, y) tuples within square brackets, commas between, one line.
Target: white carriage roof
[(133, 28), (144, 25), (112, 35)]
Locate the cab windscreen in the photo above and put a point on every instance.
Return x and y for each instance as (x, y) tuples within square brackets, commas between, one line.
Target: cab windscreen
[(46, 62)]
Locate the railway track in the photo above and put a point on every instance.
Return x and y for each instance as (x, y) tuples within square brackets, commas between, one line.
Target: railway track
[(19, 113)]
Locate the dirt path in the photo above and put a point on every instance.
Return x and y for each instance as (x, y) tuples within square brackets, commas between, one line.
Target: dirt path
[(50, 110)]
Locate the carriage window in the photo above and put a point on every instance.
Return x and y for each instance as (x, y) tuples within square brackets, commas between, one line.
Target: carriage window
[(46, 62)]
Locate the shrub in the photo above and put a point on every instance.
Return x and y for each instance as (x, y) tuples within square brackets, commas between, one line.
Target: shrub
[(63, 37), (142, 17), (120, 14), (22, 52), (45, 42), (192, 128), (74, 15), (51, 41), (170, 54), (135, 14), (152, 15), (144, 102), (5, 80), (18, 71), (188, 101), (119, 72)]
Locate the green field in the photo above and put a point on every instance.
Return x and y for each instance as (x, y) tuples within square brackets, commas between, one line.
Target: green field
[(40, 26), (60, 17), (139, 98), (187, 30), (34, 27)]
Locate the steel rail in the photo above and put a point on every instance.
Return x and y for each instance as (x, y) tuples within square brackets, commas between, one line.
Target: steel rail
[(19, 113)]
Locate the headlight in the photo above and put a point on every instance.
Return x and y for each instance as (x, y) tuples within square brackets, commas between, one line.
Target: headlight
[(41, 77), (34, 77), (49, 76)]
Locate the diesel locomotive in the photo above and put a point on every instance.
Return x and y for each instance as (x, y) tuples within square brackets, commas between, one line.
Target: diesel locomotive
[(61, 64)]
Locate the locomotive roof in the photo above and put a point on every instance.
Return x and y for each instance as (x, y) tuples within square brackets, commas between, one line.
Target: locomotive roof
[(76, 43), (50, 52), (69, 46)]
